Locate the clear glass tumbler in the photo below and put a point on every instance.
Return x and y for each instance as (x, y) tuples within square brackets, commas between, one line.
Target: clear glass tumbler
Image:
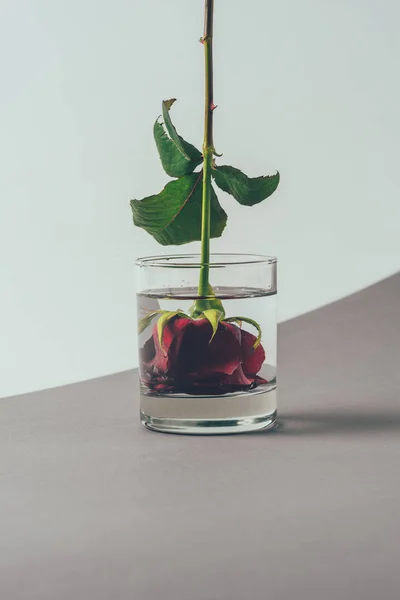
[(207, 363)]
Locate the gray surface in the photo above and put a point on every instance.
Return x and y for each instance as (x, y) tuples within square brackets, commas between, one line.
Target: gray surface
[(95, 507)]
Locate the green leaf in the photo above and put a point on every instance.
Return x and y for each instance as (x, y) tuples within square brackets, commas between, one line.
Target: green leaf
[(174, 215), (187, 150), (145, 321), (214, 317), (235, 320), (173, 161), (250, 322), (245, 190)]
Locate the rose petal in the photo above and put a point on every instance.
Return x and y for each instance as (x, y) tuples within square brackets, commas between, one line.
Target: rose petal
[(162, 387), (260, 380), (237, 378), (166, 358), (252, 358), (202, 356), (172, 334), (192, 361)]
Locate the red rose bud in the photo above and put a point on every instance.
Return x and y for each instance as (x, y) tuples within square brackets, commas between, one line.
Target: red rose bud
[(187, 361)]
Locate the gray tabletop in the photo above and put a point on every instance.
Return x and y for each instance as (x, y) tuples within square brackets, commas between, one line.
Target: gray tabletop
[(92, 506)]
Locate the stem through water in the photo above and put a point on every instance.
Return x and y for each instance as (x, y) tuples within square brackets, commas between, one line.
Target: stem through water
[(208, 149)]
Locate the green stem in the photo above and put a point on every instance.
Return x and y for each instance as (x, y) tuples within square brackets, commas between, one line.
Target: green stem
[(208, 149), (205, 228)]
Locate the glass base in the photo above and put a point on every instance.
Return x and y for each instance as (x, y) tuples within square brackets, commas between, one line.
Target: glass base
[(212, 427), (210, 415)]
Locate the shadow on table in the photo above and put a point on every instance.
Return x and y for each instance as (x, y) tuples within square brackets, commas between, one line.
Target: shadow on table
[(343, 422)]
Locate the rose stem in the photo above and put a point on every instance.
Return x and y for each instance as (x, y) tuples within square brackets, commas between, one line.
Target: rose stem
[(208, 148)]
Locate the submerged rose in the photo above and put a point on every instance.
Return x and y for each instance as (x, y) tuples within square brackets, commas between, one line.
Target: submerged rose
[(187, 361)]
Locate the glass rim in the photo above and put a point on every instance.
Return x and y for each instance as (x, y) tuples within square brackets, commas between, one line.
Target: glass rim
[(217, 260)]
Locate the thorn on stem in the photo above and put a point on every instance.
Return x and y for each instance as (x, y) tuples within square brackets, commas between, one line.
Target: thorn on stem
[(213, 106), (201, 40)]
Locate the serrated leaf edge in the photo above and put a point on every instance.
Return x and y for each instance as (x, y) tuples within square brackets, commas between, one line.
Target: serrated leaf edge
[(173, 134)]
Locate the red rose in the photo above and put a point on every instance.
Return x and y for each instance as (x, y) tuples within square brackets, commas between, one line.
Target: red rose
[(189, 362)]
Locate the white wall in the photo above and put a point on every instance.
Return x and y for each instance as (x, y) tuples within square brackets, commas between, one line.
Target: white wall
[(308, 87)]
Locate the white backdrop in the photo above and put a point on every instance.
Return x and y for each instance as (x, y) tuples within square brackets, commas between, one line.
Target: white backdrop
[(310, 88)]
